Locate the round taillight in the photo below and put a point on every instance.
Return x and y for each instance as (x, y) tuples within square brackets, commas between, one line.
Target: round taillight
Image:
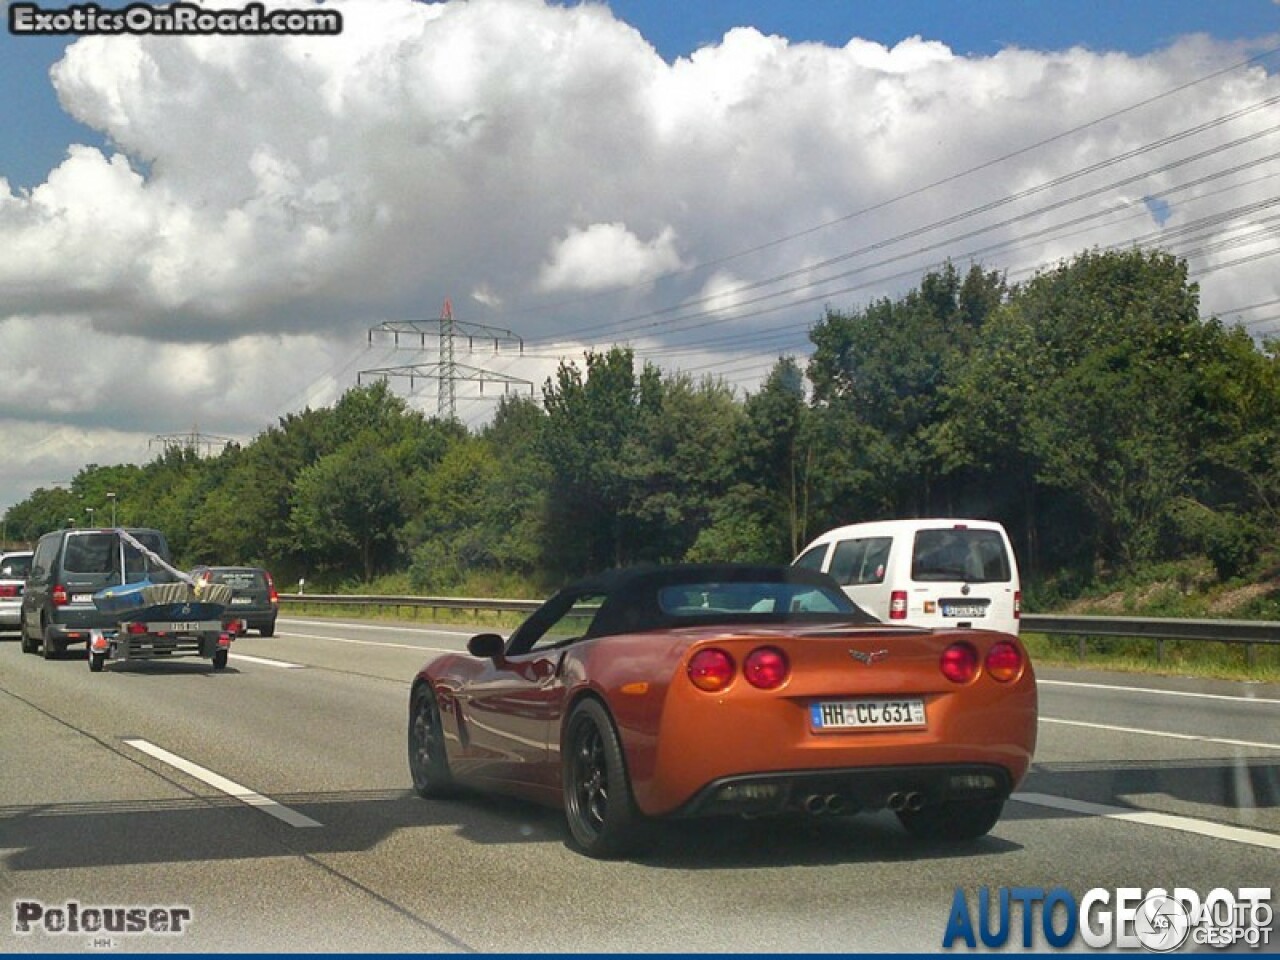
[(959, 662), (766, 668), (711, 670), (1004, 661)]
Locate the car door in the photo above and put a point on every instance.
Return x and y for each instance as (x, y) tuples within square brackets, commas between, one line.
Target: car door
[(511, 708), (39, 585)]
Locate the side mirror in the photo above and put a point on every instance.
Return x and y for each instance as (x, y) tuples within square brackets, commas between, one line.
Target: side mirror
[(486, 645)]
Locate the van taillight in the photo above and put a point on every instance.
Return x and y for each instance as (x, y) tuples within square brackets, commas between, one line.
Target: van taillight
[(271, 588), (59, 596), (1017, 604), (898, 605)]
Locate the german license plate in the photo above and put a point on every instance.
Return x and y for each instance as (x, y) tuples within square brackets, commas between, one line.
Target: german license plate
[(964, 609), (241, 601), (862, 714), (82, 598), (180, 626)]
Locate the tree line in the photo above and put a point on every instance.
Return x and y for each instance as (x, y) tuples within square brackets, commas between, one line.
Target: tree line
[(1091, 409)]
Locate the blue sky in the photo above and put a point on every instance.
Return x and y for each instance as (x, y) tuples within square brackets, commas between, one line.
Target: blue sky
[(37, 131)]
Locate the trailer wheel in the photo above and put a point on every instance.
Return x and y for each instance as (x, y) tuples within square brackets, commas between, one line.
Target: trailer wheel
[(220, 660), (97, 661)]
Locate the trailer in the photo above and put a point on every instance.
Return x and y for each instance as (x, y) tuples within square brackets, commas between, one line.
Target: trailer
[(161, 639), (184, 617)]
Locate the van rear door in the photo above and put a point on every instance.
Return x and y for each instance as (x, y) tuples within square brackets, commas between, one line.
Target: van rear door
[(963, 576)]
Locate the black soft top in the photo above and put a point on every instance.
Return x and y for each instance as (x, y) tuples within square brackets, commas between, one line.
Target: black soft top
[(631, 599)]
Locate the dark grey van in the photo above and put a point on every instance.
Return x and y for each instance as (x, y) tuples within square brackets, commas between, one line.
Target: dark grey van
[(68, 568)]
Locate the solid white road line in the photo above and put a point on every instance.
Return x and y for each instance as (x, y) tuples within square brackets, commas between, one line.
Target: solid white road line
[(229, 787), (285, 664), (1257, 745), (1219, 831), (375, 626), (1152, 690), (370, 643)]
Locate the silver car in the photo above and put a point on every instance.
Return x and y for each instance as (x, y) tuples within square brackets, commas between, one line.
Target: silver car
[(14, 567)]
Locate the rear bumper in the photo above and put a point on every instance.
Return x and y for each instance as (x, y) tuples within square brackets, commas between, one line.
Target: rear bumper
[(63, 634), (250, 619), (151, 646), (849, 790), (10, 615)]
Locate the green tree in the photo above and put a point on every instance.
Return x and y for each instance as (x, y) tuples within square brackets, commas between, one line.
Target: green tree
[(348, 503), (1085, 382), (590, 415)]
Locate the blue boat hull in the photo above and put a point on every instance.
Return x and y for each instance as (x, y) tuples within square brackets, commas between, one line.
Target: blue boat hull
[(164, 601)]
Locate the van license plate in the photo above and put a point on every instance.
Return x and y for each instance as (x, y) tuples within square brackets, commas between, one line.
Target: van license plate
[(862, 714), (964, 609), (241, 601), (82, 598)]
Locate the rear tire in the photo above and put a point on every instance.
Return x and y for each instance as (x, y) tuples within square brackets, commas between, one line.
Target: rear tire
[(50, 647), (269, 630), (955, 821), (428, 759), (599, 808), (220, 660), (97, 661), (29, 644)]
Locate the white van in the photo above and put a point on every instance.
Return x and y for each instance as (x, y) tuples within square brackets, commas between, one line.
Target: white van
[(930, 573)]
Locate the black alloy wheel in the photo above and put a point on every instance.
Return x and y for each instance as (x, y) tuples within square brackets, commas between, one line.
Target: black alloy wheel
[(599, 808), (428, 762)]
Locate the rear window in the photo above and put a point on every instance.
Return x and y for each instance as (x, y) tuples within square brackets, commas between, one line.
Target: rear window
[(99, 553), (705, 599), (972, 556), (240, 579), (860, 561), (15, 568)]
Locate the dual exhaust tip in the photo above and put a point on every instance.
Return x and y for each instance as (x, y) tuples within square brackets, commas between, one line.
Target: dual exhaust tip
[(832, 804), (911, 801)]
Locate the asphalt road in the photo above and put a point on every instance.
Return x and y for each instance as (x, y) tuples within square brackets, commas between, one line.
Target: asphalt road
[(1138, 782)]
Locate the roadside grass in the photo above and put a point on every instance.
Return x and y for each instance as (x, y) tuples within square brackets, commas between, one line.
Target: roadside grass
[(1176, 658), (478, 620)]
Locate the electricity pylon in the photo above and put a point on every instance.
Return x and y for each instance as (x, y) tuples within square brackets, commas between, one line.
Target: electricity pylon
[(446, 370)]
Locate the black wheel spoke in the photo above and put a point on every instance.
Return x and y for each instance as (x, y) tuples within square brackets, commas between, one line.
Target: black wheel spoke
[(603, 821), (428, 762)]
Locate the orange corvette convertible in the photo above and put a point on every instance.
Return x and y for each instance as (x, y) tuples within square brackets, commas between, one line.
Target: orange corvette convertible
[(688, 691)]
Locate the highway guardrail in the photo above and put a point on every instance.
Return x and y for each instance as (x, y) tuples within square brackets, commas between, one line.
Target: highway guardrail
[(1158, 629)]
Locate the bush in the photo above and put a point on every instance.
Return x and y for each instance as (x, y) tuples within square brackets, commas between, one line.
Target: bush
[(1231, 542)]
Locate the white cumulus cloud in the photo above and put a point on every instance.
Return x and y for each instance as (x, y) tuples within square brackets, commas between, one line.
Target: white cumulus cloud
[(605, 255)]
